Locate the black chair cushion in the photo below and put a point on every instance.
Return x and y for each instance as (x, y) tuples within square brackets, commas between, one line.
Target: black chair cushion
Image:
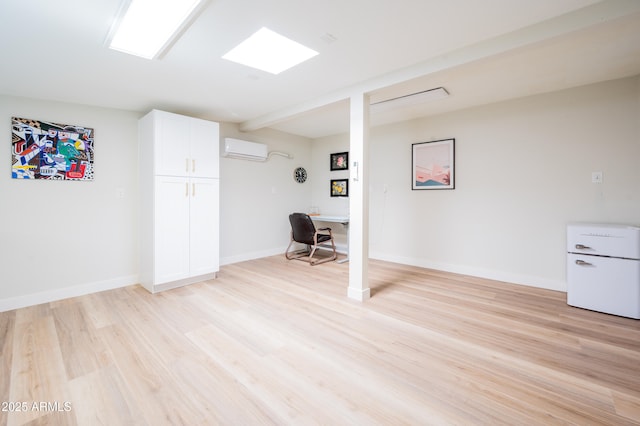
[(323, 237)]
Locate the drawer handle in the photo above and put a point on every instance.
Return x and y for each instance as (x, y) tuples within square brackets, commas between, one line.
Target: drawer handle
[(581, 247), (583, 263)]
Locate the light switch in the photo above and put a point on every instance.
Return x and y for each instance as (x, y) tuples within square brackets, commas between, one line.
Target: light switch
[(596, 177)]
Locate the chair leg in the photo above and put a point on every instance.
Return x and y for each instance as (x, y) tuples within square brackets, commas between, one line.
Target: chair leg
[(293, 255), (311, 250), (334, 255)]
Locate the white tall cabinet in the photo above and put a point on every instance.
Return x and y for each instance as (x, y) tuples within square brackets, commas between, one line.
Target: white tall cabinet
[(179, 186)]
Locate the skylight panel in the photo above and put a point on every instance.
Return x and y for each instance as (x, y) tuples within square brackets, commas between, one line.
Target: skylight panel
[(269, 51), (148, 26)]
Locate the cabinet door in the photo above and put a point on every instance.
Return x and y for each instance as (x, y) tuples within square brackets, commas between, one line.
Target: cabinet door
[(604, 284), (171, 229), (204, 246), (205, 148), (173, 135)]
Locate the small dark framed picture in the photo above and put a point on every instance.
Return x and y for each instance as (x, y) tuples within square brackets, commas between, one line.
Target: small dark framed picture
[(339, 161), (339, 187)]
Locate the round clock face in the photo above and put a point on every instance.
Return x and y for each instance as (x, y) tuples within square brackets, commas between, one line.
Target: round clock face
[(300, 175)]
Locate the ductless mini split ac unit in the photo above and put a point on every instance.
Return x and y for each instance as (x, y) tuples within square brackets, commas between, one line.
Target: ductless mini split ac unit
[(236, 148)]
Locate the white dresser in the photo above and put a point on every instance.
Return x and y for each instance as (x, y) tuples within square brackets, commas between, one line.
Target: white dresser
[(179, 210)]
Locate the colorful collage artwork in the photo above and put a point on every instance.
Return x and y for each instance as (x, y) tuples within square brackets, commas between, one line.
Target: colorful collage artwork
[(43, 150)]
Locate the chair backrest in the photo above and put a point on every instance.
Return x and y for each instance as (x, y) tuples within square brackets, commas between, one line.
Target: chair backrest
[(302, 228)]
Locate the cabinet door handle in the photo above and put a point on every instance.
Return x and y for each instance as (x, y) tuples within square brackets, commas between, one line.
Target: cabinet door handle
[(193, 189), (186, 189), (582, 247), (186, 165), (193, 166), (583, 263)]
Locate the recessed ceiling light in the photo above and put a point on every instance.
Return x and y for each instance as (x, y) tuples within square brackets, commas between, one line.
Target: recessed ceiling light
[(269, 51), (146, 27)]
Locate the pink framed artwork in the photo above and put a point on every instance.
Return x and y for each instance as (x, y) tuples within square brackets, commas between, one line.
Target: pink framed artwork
[(433, 165)]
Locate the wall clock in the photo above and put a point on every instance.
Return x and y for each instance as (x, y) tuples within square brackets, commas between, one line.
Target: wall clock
[(300, 175)]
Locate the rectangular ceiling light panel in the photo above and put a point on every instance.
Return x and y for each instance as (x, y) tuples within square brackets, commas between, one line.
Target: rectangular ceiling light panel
[(269, 51), (148, 26)]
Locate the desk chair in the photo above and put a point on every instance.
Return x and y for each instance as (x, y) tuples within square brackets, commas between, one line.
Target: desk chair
[(304, 231)]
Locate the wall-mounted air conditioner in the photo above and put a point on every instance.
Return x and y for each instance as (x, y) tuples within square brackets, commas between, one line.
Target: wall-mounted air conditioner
[(236, 148)]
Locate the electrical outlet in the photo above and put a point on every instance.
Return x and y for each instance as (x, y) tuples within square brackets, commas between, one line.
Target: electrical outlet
[(596, 177)]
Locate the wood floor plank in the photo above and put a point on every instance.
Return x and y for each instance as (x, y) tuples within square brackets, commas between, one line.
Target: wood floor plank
[(272, 341), (105, 399), (100, 314), (38, 373), (149, 386), (218, 395), (7, 327), (82, 350), (267, 385)]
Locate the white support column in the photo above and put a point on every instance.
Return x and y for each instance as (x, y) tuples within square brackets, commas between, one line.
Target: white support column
[(359, 199)]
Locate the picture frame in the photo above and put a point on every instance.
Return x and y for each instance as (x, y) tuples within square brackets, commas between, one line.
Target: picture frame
[(339, 161), (433, 165), (339, 187), (51, 151)]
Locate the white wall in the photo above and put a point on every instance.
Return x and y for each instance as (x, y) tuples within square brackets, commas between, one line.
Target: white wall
[(321, 188), (256, 198), (63, 238), (523, 171)]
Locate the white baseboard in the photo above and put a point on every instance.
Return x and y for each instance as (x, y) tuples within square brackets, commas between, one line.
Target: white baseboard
[(359, 294), (264, 253), (179, 283), (17, 302), (528, 280), (251, 255)]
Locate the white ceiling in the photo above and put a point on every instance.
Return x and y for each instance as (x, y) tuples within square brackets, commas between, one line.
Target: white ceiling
[(480, 51)]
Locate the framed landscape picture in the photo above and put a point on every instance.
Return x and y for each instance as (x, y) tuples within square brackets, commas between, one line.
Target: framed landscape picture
[(433, 165)]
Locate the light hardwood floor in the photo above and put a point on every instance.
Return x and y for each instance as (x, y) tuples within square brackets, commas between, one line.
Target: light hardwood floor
[(278, 342)]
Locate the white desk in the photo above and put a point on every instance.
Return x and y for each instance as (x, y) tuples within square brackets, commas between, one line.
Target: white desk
[(344, 220), (327, 218)]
